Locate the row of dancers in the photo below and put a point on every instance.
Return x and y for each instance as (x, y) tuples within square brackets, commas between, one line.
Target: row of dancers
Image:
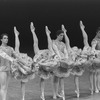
[(59, 60)]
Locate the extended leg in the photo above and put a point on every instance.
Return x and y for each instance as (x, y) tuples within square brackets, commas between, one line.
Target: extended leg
[(17, 42), (49, 39), (35, 39)]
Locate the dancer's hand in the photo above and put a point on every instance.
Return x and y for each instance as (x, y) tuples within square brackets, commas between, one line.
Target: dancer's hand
[(63, 28), (47, 30), (15, 31), (81, 25), (32, 27)]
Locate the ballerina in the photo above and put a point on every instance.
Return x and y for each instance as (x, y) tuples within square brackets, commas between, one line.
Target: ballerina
[(96, 47), (63, 70), (72, 54), (86, 51), (22, 71), (44, 60)]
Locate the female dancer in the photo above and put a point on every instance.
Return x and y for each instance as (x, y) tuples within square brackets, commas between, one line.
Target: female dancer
[(96, 47), (94, 61), (70, 51), (86, 50), (43, 59), (22, 71), (63, 70), (76, 59)]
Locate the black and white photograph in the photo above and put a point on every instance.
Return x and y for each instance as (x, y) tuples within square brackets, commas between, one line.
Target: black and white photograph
[(49, 50)]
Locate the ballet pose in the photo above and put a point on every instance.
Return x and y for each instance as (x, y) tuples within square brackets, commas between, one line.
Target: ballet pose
[(74, 55), (71, 54), (63, 69), (22, 71), (86, 51), (96, 47), (45, 60)]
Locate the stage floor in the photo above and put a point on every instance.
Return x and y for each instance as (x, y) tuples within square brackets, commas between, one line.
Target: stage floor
[(33, 89)]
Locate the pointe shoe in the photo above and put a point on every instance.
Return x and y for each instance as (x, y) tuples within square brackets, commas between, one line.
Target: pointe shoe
[(78, 94), (63, 97), (59, 95), (96, 91), (23, 99), (91, 92), (54, 97), (42, 98)]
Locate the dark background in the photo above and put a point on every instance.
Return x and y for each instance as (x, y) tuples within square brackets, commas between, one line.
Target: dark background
[(52, 13)]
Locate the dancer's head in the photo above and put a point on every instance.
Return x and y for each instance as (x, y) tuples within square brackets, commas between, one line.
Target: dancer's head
[(98, 33), (60, 35), (4, 38)]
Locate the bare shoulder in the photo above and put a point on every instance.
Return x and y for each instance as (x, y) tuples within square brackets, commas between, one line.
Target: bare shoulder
[(10, 48), (62, 43)]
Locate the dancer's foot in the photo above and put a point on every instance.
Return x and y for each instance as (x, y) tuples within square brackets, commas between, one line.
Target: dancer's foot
[(61, 95), (96, 91), (47, 30), (54, 97), (42, 97), (23, 99), (57, 96), (15, 31), (78, 94), (91, 92)]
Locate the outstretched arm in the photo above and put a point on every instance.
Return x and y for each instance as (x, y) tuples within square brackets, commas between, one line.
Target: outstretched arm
[(35, 39), (66, 38), (50, 46), (17, 42), (85, 37)]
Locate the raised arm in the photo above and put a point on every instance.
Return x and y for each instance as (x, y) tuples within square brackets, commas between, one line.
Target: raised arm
[(17, 42), (85, 37), (50, 46), (66, 38), (35, 39)]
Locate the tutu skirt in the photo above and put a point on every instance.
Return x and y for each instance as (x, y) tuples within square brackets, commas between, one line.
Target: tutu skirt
[(62, 70), (77, 70), (22, 72)]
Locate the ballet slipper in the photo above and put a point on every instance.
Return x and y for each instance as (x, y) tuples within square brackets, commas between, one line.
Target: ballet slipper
[(55, 97), (42, 97), (91, 92), (78, 94), (59, 95), (96, 91)]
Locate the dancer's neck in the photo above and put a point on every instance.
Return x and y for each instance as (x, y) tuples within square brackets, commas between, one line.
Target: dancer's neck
[(4, 45)]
